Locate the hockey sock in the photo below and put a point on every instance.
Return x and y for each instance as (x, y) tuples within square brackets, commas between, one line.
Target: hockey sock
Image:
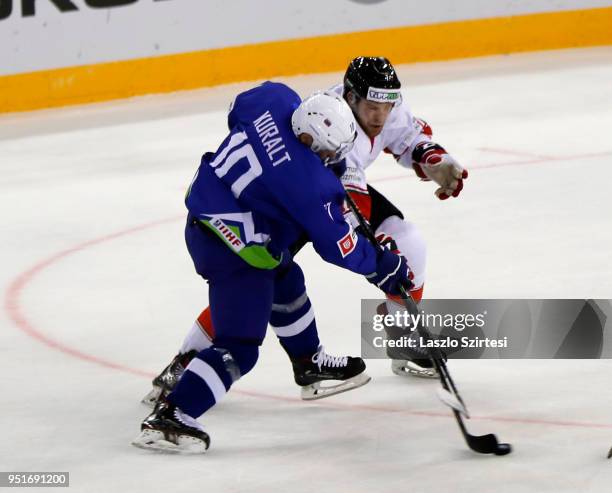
[(210, 375), (294, 324), (201, 333)]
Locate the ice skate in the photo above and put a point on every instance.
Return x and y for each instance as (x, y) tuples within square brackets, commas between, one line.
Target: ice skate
[(410, 362), (324, 375), (167, 379), (405, 361), (168, 429)]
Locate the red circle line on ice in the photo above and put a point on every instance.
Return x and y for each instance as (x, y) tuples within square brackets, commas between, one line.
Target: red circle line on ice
[(12, 306)]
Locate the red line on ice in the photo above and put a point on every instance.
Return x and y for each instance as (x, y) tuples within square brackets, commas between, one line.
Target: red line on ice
[(12, 307)]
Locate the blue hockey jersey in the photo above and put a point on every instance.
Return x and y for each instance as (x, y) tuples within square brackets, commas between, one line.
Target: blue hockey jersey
[(263, 189)]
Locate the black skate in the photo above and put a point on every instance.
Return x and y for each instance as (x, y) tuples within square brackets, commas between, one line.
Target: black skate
[(406, 361), (167, 379), (168, 429), (310, 373)]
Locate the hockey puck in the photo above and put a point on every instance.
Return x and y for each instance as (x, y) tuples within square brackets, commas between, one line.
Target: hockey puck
[(503, 449)]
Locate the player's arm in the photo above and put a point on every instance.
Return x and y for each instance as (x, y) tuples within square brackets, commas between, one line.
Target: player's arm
[(337, 242), (413, 147)]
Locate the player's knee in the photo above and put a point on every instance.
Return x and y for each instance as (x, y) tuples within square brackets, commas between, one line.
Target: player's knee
[(411, 244), (242, 356), (414, 240), (406, 235)]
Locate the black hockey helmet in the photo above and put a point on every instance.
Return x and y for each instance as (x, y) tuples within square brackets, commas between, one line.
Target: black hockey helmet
[(373, 78)]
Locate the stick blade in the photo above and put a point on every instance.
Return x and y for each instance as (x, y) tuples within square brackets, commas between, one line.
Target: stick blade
[(488, 444)]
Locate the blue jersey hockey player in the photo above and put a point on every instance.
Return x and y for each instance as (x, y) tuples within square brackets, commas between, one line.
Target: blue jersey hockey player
[(267, 185)]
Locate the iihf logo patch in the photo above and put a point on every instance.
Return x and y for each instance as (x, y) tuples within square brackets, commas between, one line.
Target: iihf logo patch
[(348, 243)]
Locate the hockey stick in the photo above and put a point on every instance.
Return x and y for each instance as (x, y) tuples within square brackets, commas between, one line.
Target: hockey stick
[(483, 444)]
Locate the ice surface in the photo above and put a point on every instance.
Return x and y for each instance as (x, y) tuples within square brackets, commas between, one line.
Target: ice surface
[(98, 291)]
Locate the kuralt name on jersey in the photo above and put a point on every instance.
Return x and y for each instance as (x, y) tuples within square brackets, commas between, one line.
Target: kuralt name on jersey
[(268, 132)]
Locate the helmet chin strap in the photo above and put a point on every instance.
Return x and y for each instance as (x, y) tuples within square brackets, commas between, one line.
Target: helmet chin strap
[(316, 149), (327, 161)]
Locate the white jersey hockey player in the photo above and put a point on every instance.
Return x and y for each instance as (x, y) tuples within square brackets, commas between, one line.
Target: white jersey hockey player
[(386, 124)]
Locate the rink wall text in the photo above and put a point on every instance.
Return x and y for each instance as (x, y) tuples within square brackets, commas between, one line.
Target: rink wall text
[(61, 52)]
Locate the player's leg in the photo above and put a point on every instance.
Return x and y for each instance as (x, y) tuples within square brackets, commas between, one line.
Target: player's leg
[(201, 333), (388, 221), (390, 225), (293, 320), (240, 323), (199, 337)]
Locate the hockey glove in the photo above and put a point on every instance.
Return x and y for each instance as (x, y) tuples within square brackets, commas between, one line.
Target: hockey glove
[(432, 162), (391, 273)]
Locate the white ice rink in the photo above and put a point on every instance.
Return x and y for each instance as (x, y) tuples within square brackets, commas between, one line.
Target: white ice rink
[(98, 291)]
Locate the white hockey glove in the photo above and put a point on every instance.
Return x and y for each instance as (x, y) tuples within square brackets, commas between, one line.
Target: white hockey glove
[(432, 162)]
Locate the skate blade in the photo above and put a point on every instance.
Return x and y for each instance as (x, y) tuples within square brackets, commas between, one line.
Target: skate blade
[(152, 397), (155, 440), (405, 368), (318, 391)]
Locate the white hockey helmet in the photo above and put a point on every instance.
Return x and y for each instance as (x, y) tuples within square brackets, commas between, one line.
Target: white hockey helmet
[(328, 119)]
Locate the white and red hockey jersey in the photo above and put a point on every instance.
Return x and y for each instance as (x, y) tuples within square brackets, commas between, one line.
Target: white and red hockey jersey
[(401, 133)]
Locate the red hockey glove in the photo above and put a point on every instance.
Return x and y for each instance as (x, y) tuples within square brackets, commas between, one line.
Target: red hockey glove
[(432, 162)]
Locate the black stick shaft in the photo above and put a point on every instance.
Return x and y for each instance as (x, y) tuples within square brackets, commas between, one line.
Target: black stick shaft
[(434, 354)]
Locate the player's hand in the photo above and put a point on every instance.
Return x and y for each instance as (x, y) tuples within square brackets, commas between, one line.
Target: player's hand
[(391, 273), (449, 175), (433, 163)]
